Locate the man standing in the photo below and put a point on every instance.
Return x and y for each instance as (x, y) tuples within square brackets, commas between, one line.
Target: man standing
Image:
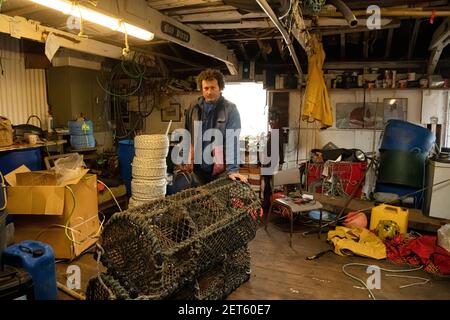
[(213, 111)]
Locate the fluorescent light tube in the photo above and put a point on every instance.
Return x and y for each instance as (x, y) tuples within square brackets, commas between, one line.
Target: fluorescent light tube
[(67, 7)]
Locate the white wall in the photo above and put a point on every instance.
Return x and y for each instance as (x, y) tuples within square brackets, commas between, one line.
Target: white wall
[(365, 139), (154, 125), (23, 91)]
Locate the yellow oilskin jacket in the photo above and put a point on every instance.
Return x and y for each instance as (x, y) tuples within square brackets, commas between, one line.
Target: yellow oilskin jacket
[(359, 241), (317, 102)]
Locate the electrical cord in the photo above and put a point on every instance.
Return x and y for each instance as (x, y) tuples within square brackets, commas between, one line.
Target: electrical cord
[(70, 217), (383, 269), (134, 73), (112, 194), (73, 230), (3, 190)]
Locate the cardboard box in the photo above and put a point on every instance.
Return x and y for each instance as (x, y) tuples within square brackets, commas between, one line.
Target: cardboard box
[(50, 214), (36, 178)]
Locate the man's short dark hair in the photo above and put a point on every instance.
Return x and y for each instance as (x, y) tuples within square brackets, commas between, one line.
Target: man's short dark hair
[(211, 74)]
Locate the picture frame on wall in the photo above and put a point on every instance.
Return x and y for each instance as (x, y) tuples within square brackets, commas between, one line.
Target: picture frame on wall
[(395, 108), (359, 115), (171, 113)]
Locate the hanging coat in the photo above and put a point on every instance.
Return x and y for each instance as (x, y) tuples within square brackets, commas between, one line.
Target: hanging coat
[(317, 102)]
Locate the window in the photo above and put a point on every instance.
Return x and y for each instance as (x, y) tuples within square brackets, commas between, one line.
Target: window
[(250, 99)]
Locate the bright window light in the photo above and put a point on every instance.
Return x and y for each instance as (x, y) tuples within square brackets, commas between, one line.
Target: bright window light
[(67, 7), (250, 99)]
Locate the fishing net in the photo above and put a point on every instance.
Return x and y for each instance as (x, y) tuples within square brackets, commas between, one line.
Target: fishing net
[(170, 246)]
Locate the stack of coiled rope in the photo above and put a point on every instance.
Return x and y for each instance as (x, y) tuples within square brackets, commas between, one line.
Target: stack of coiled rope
[(149, 168)]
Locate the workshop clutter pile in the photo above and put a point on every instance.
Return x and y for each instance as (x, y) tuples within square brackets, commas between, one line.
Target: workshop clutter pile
[(387, 238), (149, 168), (191, 245)]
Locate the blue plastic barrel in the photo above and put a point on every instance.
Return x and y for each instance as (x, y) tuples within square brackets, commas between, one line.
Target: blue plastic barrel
[(11, 160), (126, 155), (39, 260), (406, 136)]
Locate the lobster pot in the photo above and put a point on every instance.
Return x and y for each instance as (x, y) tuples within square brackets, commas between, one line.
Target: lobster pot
[(157, 249), (150, 254), (148, 189), (223, 278), (97, 291), (216, 283)]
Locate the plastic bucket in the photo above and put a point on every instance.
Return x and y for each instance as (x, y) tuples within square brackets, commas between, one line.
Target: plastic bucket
[(402, 168), (126, 155), (406, 136), (13, 159)]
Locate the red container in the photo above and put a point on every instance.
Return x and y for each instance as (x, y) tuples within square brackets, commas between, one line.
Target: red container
[(348, 173)]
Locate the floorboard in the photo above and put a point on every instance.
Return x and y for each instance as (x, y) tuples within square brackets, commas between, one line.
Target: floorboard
[(281, 272)]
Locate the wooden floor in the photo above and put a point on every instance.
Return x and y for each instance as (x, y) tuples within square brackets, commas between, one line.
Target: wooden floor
[(281, 272)]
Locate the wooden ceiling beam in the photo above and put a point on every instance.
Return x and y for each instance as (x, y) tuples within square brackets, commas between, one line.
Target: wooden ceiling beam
[(244, 52), (261, 24), (183, 11), (366, 45), (441, 39), (262, 49), (171, 4), (412, 43), (222, 16), (342, 45), (390, 36), (393, 25)]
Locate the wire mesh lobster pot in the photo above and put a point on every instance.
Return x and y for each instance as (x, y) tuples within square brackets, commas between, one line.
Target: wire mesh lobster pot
[(161, 247), (215, 283), (223, 278), (150, 254), (110, 289)]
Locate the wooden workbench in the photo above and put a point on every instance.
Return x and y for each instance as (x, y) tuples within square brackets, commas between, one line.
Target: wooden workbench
[(30, 146), (417, 220)]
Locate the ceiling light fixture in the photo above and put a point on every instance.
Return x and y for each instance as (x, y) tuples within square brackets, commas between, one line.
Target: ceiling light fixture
[(86, 14)]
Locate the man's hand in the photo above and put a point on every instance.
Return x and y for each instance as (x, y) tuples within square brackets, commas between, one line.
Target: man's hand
[(185, 167), (237, 176)]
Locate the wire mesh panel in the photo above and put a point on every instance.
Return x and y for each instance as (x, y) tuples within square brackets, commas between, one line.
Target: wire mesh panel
[(108, 290), (217, 282), (165, 245)]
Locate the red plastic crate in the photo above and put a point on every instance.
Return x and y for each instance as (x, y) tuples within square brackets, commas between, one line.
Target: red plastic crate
[(349, 173)]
